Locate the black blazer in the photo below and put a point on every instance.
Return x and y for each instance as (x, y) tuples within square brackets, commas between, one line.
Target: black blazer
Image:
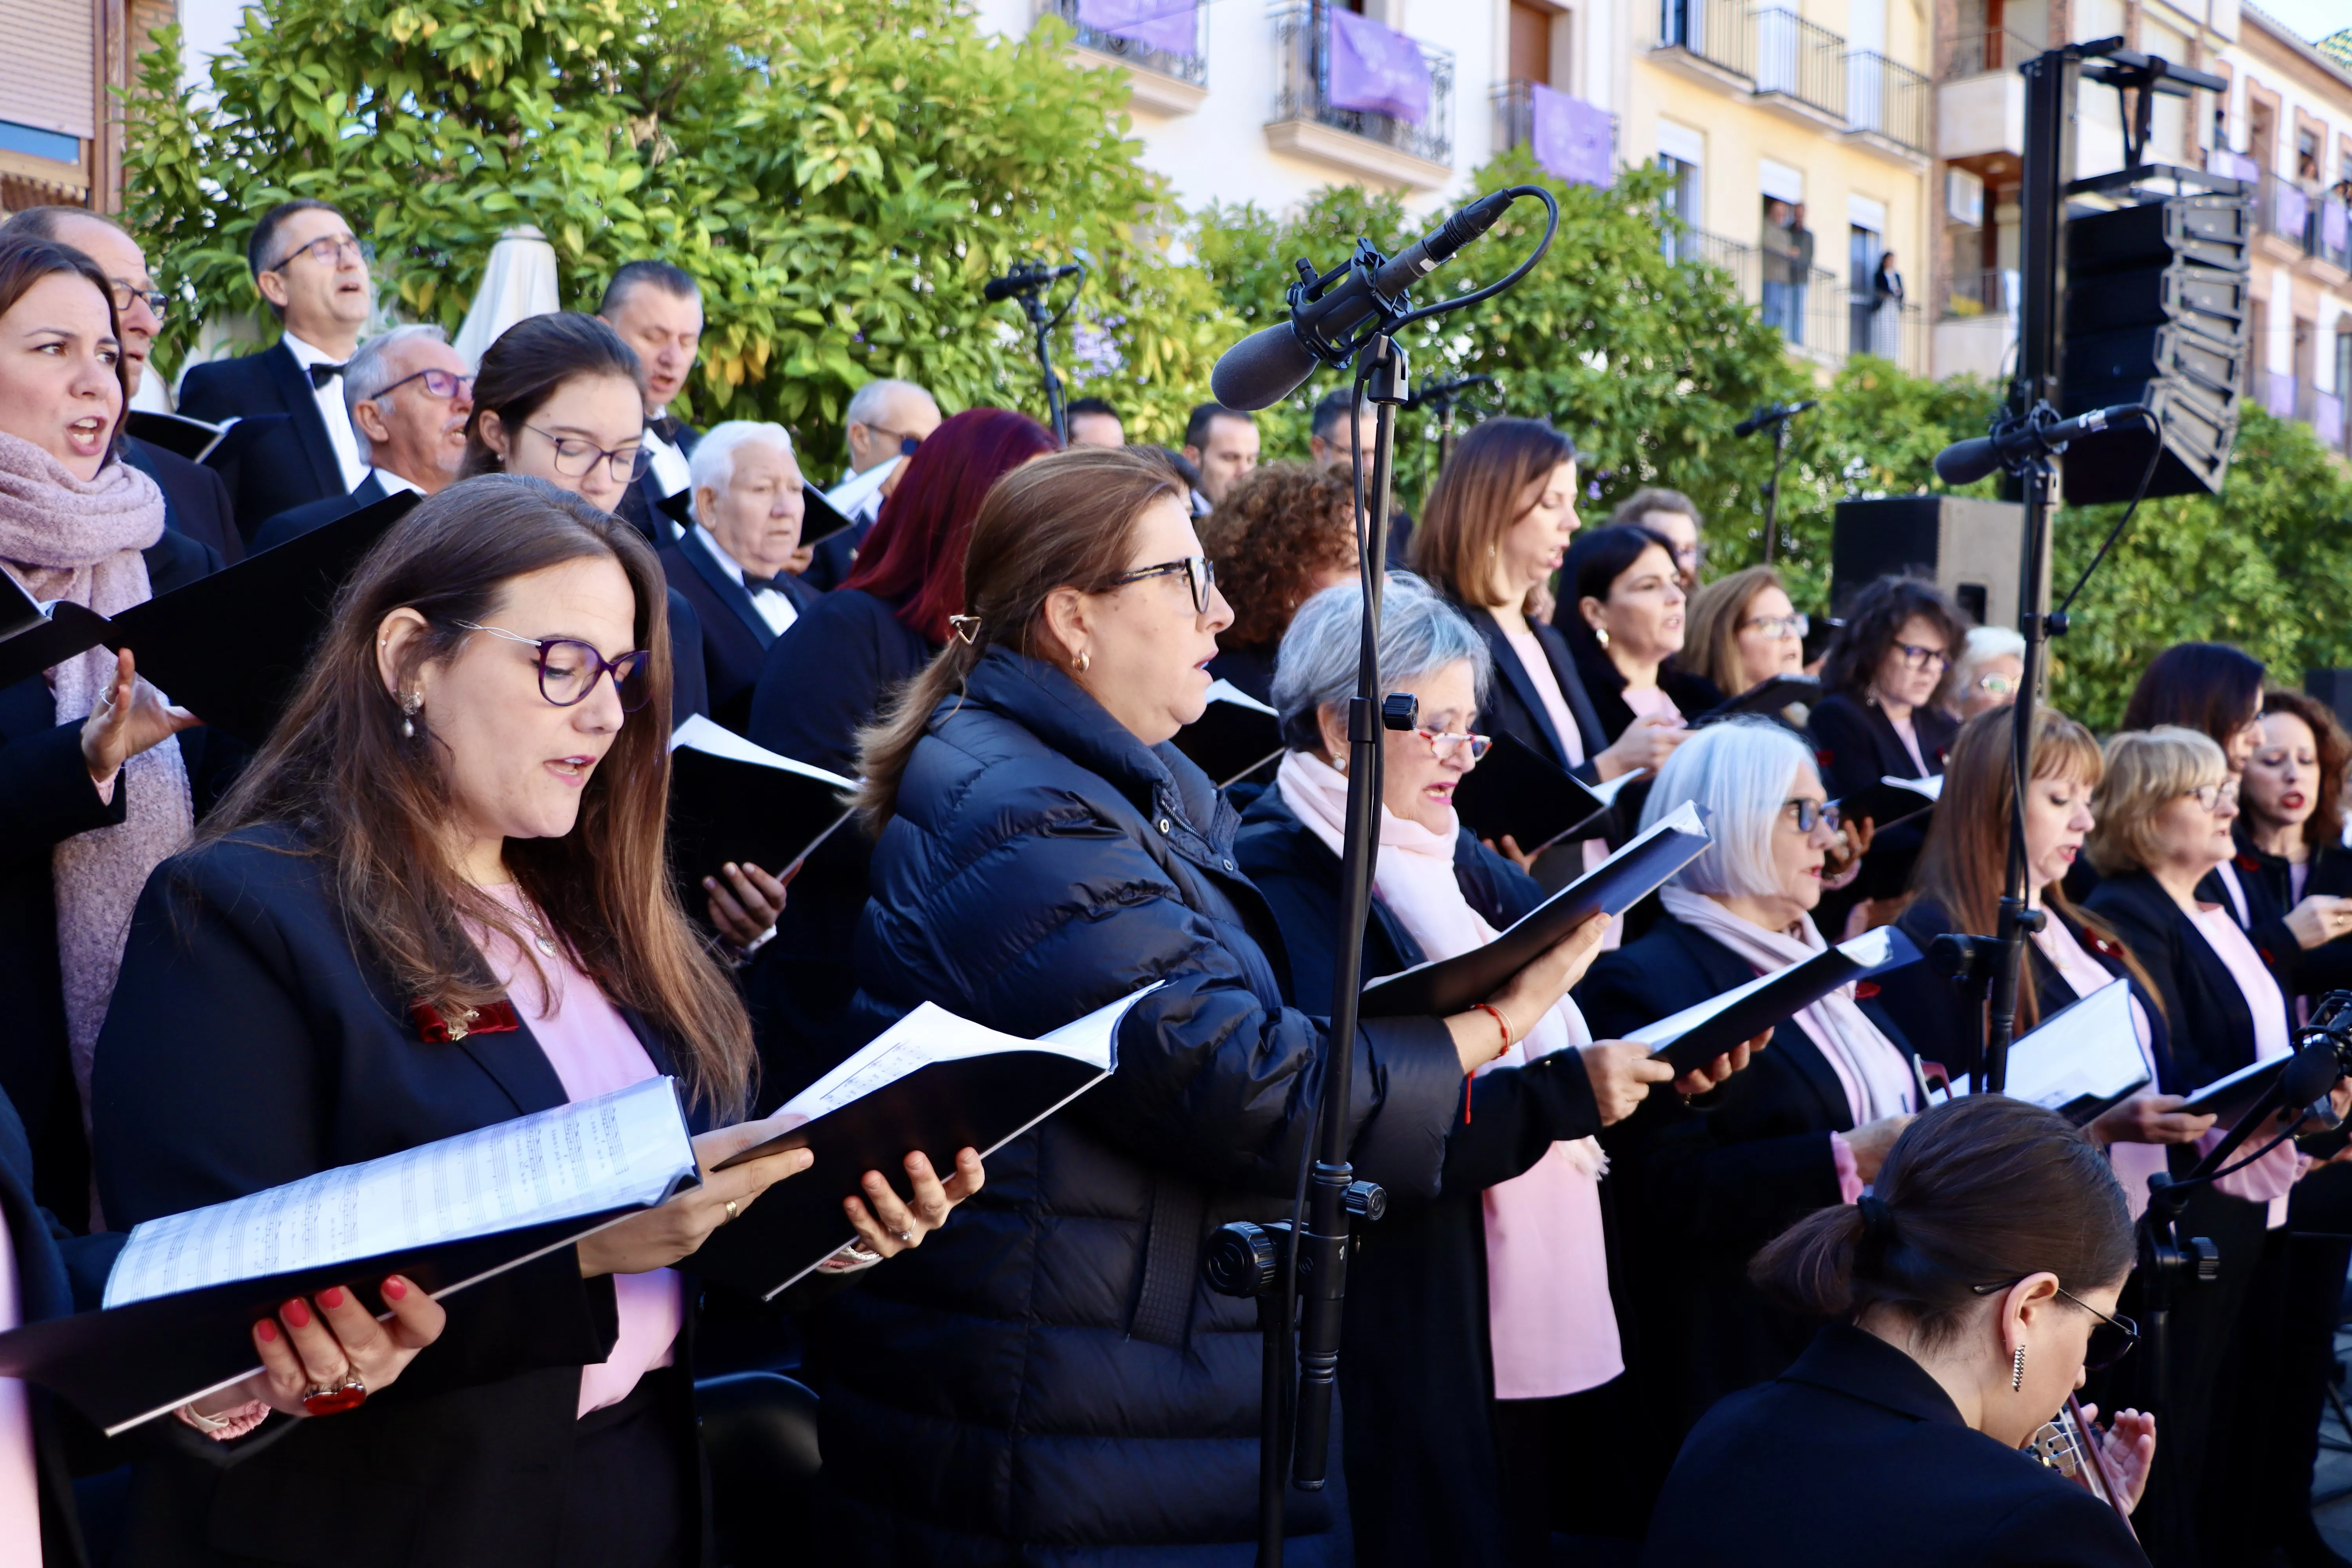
[(195, 501), (1715, 1180), (46, 797), (1855, 1457), (268, 471), (1855, 743), (1692, 694), (641, 502), (735, 637), (1421, 1463), (302, 519), (690, 687), (251, 1044), (2269, 885), (828, 675), (2211, 1020), (1512, 706), (1946, 1024)]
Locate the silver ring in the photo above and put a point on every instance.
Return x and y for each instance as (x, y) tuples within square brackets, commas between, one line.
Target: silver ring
[(906, 1237)]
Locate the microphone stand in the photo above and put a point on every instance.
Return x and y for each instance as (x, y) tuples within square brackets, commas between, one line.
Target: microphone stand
[(1031, 280), (1443, 398), (1779, 419)]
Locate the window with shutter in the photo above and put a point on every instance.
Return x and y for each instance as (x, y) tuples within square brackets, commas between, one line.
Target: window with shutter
[(49, 71)]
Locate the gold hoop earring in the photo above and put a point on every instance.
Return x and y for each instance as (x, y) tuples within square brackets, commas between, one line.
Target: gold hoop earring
[(2016, 1371)]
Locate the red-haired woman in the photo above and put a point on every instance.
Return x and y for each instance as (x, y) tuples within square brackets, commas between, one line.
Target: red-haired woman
[(826, 678)]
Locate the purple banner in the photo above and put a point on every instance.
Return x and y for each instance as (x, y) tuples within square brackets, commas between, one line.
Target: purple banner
[(1376, 69), (1571, 138), (2291, 208), (1167, 25), (2335, 224), (2327, 418), (2278, 393)]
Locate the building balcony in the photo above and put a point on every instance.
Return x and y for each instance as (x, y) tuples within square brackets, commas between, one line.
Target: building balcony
[(1515, 126), (1162, 46), (1308, 121), (1987, 50), (2304, 218), (1798, 70), (1820, 318), (1886, 107), (2323, 412)]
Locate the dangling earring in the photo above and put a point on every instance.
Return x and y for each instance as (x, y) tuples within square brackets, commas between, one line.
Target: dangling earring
[(409, 704), (1339, 763), (2016, 1371)]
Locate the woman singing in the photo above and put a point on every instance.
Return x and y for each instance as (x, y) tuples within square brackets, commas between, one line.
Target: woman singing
[(2291, 822), (1967, 1295), (1744, 631), (435, 902), (1622, 604), (1059, 1372), (1503, 1419)]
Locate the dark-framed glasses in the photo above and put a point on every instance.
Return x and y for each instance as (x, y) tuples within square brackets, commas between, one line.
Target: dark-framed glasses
[(1923, 658), (1809, 815), (2112, 1338), (576, 457), (568, 668), (125, 293), (445, 383), (1442, 745), (1199, 575), (327, 250), (1780, 628), (2211, 797)]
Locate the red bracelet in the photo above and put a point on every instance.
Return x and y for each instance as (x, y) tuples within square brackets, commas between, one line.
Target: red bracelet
[(1501, 1022)]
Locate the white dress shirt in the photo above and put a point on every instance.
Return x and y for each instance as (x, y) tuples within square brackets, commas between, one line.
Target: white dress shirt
[(773, 608), (669, 464), (331, 409), (391, 483)]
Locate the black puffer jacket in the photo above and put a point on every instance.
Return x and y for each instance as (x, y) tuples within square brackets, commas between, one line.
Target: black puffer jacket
[(1047, 1380)]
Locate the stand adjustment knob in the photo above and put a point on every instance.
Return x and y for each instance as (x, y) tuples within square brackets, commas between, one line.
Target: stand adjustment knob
[(2208, 1258), (1365, 1200), (1400, 710), (1244, 1259)]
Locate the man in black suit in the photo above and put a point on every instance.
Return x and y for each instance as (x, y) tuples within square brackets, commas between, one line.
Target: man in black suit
[(887, 421), (196, 502), (657, 310), (310, 271), (730, 565), (410, 397)]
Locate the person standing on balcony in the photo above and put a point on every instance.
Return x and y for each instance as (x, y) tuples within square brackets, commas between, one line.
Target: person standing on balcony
[(1788, 247), (1886, 310)]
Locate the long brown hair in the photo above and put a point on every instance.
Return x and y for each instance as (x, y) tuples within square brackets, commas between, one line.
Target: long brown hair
[(1966, 858), (526, 366), (1976, 1191), (25, 259), (1477, 499), (2325, 825), (1063, 520), (338, 773)]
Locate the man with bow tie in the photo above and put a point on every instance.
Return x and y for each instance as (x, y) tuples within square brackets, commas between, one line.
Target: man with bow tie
[(657, 310), (293, 443), (730, 565)]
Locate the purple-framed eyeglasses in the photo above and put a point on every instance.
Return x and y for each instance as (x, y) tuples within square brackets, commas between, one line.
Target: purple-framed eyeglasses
[(570, 669)]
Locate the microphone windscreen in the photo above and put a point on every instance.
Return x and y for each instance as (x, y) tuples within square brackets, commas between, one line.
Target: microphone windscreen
[(2310, 1075), (1966, 462), (1262, 369)]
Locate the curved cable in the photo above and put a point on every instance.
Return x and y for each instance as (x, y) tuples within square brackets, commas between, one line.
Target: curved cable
[(1552, 227)]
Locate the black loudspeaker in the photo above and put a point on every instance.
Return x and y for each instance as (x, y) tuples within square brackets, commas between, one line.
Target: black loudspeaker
[(2333, 687), (1973, 549), (2157, 300)]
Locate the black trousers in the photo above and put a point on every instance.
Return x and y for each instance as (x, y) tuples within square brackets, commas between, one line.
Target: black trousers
[(632, 1502)]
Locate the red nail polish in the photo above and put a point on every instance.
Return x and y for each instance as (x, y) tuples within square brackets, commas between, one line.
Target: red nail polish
[(395, 1289), (297, 1313), (268, 1331), (331, 1297)]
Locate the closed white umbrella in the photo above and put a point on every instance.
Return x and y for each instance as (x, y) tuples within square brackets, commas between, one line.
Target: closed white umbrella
[(519, 282)]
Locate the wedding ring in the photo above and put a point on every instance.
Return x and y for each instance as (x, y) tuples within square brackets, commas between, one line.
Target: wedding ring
[(906, 1237), (730, 1211)]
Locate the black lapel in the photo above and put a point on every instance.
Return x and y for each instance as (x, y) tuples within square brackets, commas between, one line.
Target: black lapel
[(731, 593), (302, 404), (518, 1064), (135, 454), (1523, 686), (1726, 969)]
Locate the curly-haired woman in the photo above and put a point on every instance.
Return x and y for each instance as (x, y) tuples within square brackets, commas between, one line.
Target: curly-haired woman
[(1285, 533)]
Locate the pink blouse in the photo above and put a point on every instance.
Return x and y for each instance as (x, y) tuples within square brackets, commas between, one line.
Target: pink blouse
[(1909, 733), (1555, 701), (20, 1486), (593, 1052), (2268, 1179), (2133, 1164)]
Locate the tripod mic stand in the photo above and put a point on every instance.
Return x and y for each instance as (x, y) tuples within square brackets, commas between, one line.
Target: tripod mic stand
[(1350, 315)]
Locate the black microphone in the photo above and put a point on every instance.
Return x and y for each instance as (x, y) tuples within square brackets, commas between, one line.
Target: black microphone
[(1772, 416), (1965, 463), (1271, 363), (2310, 1076), (1021, 280)]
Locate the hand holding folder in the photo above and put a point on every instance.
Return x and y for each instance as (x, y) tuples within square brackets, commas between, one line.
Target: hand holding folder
[(1697, 1034)]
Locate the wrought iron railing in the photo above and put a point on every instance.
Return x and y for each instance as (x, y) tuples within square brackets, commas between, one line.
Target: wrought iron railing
[(1817, 316), (1515, 119), (1799, 59), (1169, 15), (1888, 98), (1720, 32), (1303, 87), (2323, 411)]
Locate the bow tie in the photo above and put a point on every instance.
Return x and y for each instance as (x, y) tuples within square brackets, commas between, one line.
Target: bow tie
[(668, 428), (323, 372), (775, 584)]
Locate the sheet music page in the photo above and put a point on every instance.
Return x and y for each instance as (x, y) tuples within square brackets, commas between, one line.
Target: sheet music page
[(1607, 793), (1226, 692), (2089, 1051), (699, 734), (621, 1149), (1930, 788)]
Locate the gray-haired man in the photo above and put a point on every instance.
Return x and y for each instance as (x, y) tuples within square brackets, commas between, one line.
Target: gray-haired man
[(409, 395)]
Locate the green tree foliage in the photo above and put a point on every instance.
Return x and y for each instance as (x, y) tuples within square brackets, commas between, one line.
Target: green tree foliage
[(843, 177), (2260, 565)]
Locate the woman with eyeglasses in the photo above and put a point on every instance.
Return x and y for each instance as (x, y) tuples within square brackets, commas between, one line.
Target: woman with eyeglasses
[(2165, 810), (1058, 1371), (1967, 1295), (437, 901), (1742, 631), (1805, 1127), (1986, 674), (1503, 1418)]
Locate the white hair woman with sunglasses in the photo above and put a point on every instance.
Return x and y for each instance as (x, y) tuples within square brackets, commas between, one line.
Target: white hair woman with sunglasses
[(1502, 1418), (1984, 677), (1804, 1127)]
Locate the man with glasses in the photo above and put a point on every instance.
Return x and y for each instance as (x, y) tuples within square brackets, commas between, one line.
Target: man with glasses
[(410, 396), (195, 501), (312, 273), (1670, 515), (887, 420), (657, 308)]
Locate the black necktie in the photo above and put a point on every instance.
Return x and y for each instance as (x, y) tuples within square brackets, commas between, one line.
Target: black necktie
[(775, 584), (323, 372)]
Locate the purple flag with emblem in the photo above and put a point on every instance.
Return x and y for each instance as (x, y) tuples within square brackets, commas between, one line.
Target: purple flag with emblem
[(1167, 25), (1571, 138), (1376, 69)]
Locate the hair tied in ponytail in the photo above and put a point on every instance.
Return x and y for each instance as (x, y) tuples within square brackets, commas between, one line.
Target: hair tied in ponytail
[(965, 627), (1878, 1220)]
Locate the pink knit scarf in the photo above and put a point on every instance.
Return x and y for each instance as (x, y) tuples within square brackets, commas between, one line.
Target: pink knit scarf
[(65, 538)]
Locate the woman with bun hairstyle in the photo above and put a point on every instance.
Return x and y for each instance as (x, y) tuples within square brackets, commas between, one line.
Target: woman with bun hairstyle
[(1966, 1295)]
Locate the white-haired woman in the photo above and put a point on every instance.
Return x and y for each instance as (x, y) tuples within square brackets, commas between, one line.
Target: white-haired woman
[(1507, 1408), (1986, 674), (1804, 1127)]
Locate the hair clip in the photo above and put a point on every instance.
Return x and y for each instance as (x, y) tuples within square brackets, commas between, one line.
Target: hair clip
[(966, 627)]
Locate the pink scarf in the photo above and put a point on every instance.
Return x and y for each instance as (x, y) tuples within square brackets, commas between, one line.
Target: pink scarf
[(65, 539), (1550, 1321)]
